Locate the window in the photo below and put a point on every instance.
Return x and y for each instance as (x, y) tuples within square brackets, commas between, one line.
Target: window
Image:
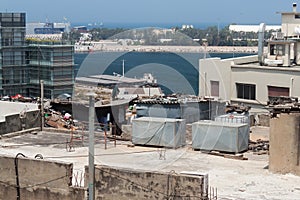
[(277, 49), (274, 91), (214, 88), (246, 91)]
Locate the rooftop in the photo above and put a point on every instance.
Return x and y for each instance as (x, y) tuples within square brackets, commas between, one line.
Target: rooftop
[(8, 108), (234, 179)]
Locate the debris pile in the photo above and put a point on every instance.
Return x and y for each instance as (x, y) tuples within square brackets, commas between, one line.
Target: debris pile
[(240, 109), (259, 146), (58, 120), (277, 105)]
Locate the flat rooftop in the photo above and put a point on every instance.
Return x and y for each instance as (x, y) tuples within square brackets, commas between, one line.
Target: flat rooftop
[(252, 63), (9, 108), (234, 179)]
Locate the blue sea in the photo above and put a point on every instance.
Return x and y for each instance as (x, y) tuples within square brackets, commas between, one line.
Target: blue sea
[(175, 72)]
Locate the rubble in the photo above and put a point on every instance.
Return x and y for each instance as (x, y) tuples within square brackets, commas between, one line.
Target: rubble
[(259, 147), (282, 104), (58, 120)]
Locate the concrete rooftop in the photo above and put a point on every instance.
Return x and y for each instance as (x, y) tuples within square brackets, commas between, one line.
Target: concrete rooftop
[(8, 108), (234, 179)]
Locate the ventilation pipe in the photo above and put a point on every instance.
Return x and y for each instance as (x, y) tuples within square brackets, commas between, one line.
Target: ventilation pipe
[(294, 7), (261, 38)]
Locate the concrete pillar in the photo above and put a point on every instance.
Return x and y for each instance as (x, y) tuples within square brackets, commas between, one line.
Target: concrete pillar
[(285, 144)]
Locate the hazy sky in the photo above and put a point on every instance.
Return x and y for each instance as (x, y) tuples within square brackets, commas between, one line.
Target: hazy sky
[(151, 11)]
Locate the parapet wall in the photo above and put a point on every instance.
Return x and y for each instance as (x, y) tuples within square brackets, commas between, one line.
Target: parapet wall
[(124, 184), (18, 122), (38, 179)]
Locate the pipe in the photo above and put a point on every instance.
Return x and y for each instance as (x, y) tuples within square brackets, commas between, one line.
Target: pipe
[(42, 106), (17, 175), (294, 7), (291, 86), (205, 84), (38, 156), (261, 38)]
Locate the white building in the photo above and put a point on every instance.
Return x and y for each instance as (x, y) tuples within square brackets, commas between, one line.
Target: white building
[(244, 80), (252, 28), (253, 79)]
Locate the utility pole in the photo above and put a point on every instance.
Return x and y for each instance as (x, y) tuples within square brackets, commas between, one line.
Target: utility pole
[(91, 147), (42, 105)]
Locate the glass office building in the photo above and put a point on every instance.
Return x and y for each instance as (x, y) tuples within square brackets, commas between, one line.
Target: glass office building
[(52, 63), (13, 67), (24, 63)]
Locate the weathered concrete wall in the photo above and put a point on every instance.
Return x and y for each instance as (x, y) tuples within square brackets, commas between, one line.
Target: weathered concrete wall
[(16, 122), (285, 144), (116, 183), (38, 179), (40, 193), (33, 171)]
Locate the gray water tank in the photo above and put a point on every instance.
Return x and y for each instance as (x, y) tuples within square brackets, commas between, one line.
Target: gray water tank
[(164, 132)]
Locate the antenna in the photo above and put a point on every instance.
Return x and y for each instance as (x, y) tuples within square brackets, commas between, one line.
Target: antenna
[(123, 67)]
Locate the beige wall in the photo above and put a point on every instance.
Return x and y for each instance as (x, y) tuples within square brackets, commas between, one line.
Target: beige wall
[(38, 179), (228, 72), (120, 183), (33, 171), (264, 76), (289, 23), (285, 143), (215, 69)]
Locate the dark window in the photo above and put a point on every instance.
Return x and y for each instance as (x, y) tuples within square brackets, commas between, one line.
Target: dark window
[(246, 91), (214, 86), (277, 49), (278, 91)]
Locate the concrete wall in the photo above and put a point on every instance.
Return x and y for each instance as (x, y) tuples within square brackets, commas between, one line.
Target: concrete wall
[(230, 71), (118, 184), (40, 193), (16, 116), (289, 23), (15, 122), (285, 144), (215, 69), (39, 179), (266, 76)]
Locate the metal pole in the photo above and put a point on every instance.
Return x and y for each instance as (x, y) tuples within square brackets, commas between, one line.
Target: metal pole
[(91, 147), (105, 136), (42, 105)]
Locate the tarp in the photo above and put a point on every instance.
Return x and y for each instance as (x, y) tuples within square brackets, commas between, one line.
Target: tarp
[(164, 132)]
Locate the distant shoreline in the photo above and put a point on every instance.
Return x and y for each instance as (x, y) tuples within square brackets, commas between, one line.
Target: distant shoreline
[(179, 49)]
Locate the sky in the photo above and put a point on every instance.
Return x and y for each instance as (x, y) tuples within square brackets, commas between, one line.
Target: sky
[(151, 11)]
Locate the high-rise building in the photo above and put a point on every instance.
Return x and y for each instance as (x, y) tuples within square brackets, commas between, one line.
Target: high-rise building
[(52, 62), (13, 67), (24, 63)]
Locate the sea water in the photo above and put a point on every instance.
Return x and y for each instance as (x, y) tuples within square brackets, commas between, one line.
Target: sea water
[(175, 72)]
